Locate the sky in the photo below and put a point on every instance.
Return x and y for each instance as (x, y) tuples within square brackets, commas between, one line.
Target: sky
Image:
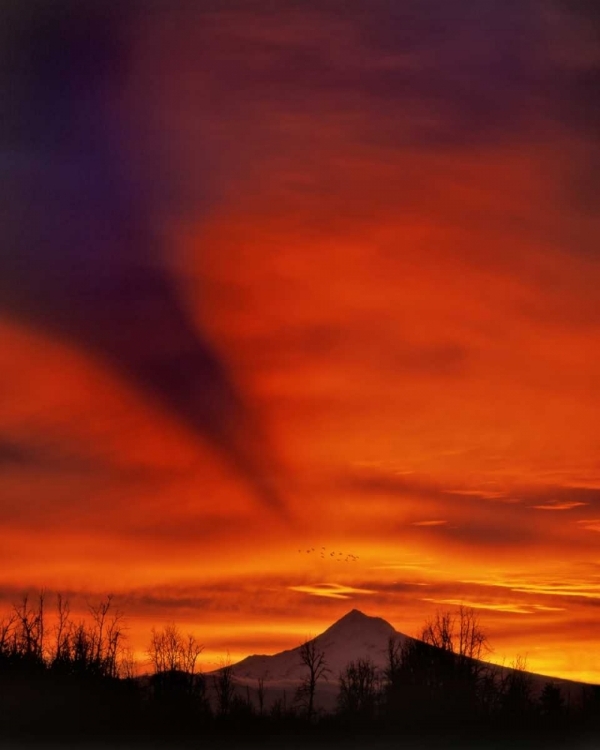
[(281, 281)]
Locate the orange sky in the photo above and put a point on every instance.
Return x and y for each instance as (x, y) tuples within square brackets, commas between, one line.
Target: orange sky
[(379, 230)]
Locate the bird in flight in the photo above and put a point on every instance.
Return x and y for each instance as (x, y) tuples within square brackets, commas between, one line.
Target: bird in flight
[(337, 556)]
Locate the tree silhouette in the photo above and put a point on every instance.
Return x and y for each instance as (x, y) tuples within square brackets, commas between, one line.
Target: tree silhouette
[(358, 695), (516, 691), (173, 657), (28, 631), (224, 686), (461, 643), (438, 674), (260, 692), (459, 633), (314, 659), (61, 677), (552, 703), (170, 650)]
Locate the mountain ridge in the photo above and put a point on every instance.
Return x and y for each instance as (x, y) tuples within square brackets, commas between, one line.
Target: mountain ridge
[(354, 635)]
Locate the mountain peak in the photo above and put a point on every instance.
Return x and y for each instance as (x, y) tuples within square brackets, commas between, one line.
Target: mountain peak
[(354, 636), (354, 615), (356, 621)]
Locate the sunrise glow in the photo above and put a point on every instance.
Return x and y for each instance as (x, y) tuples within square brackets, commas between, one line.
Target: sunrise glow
[(307, 320)]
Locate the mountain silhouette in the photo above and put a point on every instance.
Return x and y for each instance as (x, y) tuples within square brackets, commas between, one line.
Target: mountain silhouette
[(354, 636)]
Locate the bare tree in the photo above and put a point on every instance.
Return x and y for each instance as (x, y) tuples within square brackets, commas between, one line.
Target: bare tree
[(516, 690), (28, 634), (412, 676), (62, 630), (357, 696), (490, 690), (41, 624), (127, 665), (173, 657), (164, 650), (441, 671), (440, 631), (394, 659), (99, 614), (260, 692), (93, 647), (7, 628), (224, 686), (314, 659), (462, 636), (105, 637), (459, 633), (472, 639), (192, 651), (170, 651)]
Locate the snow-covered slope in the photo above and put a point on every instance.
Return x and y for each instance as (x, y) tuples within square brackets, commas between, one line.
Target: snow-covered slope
[(355, 636)]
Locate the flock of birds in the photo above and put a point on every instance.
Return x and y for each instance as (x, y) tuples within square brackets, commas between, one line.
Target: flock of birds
[(334, 556)]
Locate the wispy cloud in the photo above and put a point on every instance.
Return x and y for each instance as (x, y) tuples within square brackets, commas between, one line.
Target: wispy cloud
[(560, 505), (590, 524), (546, 608), (331, 590), (484, 495), (585, 589), (494, 606)]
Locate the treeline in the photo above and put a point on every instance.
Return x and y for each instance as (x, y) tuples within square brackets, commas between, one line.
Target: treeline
[(92, 647), (62, 677), (441, 680)]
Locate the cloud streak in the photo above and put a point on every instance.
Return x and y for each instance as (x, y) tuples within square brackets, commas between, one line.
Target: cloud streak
[(331, 590), (559, 506), (84, 229)]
